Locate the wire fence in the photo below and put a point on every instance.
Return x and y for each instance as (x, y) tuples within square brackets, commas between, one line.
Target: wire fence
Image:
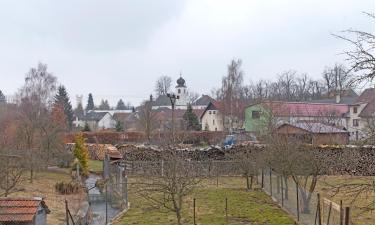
[(307, 207)]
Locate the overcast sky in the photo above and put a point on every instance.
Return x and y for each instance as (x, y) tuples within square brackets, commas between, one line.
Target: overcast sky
[(117, 49)]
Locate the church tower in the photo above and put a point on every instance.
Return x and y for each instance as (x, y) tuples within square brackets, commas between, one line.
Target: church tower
[(181, 92)]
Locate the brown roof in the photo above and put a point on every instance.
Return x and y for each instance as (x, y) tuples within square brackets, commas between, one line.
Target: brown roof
[(367, 96), (121, 116), (369, 109), (166, 113), (19, 209)]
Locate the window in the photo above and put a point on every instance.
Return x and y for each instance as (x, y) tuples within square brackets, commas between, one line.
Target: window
[(355, 110), (209, 112), (355, 123), (213, 112), (179, 91), (213, 122), (255, 114)]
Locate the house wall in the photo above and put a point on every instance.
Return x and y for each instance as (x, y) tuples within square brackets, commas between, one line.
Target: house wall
[(331, 139), (40, 216), (316, 139), (259, 125), (212, 120), (357, 132), (107, 122)]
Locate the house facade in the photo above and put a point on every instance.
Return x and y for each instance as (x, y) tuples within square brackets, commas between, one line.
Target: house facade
[(212, 118), (95, 120), (314, 133), (261, 117)]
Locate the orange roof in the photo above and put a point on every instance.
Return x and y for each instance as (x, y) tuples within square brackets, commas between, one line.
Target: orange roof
[(19, 209)]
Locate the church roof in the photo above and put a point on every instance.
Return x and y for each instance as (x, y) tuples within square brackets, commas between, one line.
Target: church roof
[(181, 82)]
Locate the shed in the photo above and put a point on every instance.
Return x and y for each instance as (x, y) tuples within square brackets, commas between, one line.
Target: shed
[(315, 133), (23, 211)]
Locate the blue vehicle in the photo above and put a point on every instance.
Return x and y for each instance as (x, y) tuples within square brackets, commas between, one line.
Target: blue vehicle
[(229, 141)]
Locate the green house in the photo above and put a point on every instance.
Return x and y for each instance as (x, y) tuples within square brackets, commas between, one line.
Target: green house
[(259, 118)]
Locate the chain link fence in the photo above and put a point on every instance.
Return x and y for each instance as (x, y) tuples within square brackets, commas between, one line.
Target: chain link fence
[(307, 207)]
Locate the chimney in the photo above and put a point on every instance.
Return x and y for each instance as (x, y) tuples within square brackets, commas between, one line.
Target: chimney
[(338, 98)]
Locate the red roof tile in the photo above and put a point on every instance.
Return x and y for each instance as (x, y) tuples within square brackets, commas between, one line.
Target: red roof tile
[(303, 109), (18, 209)]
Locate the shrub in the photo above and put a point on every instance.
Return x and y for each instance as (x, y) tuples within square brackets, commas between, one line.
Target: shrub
[(67, 188)]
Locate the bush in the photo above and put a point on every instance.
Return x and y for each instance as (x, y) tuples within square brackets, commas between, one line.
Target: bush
[(67, 188)]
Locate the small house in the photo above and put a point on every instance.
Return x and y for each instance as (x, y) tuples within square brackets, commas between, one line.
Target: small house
[(314, 133), (23, 211)]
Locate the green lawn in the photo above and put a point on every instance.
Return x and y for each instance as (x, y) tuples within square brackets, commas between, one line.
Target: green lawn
[(95, 166), (244, 207)]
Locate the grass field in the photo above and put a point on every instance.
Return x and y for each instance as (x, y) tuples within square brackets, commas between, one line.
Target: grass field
[(358, 216), (244, 207), (43, 186), (95, 166)]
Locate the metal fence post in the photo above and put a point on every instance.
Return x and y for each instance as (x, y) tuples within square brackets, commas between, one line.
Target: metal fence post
[(329, 213), (282, 191), (262, 181), (297, 194), (341, 214), (271, 181), (226, 210), (347, 215), (194, 211), (66, 212)]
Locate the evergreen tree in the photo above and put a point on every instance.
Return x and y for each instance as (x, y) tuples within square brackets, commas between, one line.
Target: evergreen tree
[(2, 97), (104, 105), (82, 154), (86, 128), (120, 105), (90, 103), (79, 109), (119, 127), (191, 120), (62, 100)]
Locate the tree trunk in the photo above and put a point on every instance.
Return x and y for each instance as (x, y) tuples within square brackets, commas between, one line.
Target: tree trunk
[(251, 182), (286, 194)]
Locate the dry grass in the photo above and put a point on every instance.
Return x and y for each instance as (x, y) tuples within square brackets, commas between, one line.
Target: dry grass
[(326, 187), (43, 186)]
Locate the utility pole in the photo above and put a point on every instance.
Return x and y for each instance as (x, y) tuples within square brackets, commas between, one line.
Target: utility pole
[(173, 98)]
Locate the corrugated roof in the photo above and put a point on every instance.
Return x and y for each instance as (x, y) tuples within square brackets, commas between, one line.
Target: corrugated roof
[(316, 127), (19, 209)]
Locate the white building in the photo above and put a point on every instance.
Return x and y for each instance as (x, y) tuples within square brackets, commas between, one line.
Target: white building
[(95, 120), (181, 91)]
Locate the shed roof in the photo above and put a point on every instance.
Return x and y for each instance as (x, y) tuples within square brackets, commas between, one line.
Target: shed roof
[(20, 209), (315, 127)]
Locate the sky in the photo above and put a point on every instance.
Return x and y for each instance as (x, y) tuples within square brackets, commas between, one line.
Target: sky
[(118, 49)]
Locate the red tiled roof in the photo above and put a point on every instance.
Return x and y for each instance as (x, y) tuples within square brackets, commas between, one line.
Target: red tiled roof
[(303, 109), (18, 209)]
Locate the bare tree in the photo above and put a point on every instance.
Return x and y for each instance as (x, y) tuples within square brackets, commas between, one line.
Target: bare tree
[(163, 85), (231, 90), (362, 55), (192, 96), (337, 79), (147, 119), (11, 173), (35, 103), (167, 188)]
